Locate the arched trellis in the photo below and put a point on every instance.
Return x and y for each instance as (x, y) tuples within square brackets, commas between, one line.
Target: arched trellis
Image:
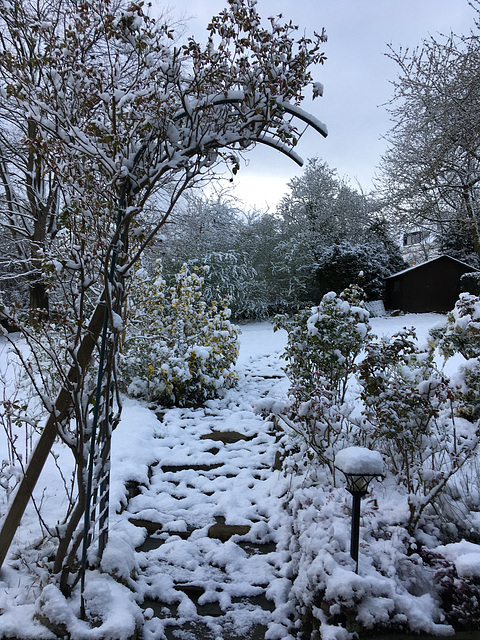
[(237, 97), (99, 330)]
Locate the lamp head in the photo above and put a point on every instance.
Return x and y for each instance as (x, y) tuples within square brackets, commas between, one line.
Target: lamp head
[(359, 465), (357, 483)]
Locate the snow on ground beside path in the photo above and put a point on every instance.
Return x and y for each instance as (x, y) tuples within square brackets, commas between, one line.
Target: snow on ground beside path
[(251, 496), (259, 339), (386, 326)]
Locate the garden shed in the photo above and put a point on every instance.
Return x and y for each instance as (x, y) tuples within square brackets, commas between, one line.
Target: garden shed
[(432, 286)]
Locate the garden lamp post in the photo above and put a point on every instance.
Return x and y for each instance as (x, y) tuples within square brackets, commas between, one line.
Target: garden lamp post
[(359, 466)]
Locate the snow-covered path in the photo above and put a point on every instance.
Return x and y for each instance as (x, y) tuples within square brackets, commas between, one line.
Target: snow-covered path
[(204, 510)]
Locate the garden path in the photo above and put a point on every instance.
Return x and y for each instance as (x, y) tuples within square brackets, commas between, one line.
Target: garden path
[(209, 563)]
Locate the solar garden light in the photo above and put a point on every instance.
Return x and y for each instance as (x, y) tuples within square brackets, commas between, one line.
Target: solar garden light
[(359, 466)]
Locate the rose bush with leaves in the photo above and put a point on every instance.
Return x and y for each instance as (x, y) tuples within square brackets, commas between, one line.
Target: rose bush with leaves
[(323, 344), (350, 388), (409, 409)]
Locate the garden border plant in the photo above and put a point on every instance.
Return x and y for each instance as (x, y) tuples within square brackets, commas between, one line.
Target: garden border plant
[(179, 350), (407, 409), (323, 345), (410, 410)]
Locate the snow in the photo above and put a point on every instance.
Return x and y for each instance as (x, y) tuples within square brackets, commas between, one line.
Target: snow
[(359, 460), (318, 89), (306, 524), (465, 555), (387, 326), (303, 115), (468, 565)]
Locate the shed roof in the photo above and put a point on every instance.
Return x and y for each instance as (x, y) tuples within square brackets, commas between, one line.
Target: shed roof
[(417, 266)]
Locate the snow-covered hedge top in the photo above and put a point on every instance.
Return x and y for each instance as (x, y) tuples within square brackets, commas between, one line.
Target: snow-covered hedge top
[(359, 460), (467, 310)]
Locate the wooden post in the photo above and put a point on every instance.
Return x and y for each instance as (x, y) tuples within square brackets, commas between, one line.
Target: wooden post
[(46, 440)]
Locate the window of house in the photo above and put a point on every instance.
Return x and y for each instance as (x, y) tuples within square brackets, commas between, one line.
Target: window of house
[(414, 237)]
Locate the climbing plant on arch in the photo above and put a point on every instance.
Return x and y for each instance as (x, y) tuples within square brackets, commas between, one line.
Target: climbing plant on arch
[(120, 113)]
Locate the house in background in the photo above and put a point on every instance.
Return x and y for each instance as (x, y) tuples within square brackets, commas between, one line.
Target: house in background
[(418, 245), (432, 286)]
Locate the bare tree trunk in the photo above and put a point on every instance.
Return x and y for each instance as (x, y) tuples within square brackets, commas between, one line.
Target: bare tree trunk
[(38, 305)]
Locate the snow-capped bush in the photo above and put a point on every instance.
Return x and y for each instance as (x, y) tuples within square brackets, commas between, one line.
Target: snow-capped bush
[(462, 335), (348, 388), (178, 351), (468, 393), (469, 281), (462, 332), (459, 591), (409, 407), (323, 344)]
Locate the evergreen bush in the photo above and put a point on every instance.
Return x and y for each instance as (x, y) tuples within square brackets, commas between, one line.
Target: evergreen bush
[(178, 351), (470, 282)]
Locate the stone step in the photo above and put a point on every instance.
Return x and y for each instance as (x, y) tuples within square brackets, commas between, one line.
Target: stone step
[(227, 437), (260, 601), (209, 609), (223, 532), (150, 544), (174, 468), (194, 592), (257, 548), (157, 527), (213, 451), (160, 609), (219, 531), (151, 527), (258, 376), (195, 630)]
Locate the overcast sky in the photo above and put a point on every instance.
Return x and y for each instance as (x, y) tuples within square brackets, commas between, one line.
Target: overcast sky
[(356, 77)]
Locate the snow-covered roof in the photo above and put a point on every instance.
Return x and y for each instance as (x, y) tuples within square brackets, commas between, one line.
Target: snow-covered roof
[(416, 266)]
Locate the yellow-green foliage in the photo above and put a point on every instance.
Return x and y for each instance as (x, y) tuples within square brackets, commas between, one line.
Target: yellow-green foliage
[(178, 350)]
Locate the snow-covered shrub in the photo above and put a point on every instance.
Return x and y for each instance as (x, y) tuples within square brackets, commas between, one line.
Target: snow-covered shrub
[(462, 332), (458, 590), (395, 590), (340, 263), (409, 409), (178, 350), (323, 344), (462, 335)]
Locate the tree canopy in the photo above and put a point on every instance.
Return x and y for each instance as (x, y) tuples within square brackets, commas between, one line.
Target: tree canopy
[(431, 171)]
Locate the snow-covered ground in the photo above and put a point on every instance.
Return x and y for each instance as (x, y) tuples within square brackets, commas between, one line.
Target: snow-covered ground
[(173, 571)]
